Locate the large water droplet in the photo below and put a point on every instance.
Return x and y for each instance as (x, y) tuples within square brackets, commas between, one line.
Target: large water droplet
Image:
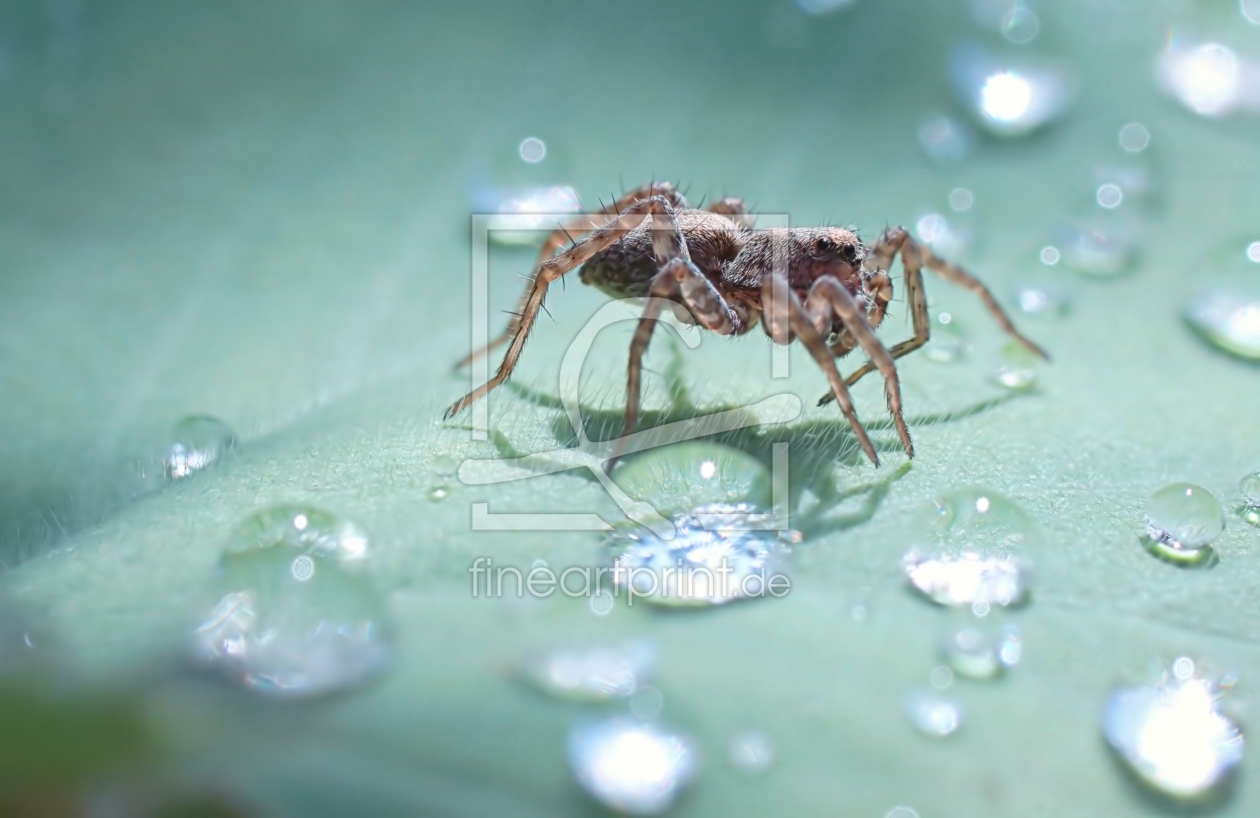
[(1229, 319), (687, 475), (629, 766), (294, 620), (982, 521), (1182, 519), (712, 559), (196, 442), (592, 673), (967, 579), (1173, 736), (1250, 490), (1008, 100), (933, 715)]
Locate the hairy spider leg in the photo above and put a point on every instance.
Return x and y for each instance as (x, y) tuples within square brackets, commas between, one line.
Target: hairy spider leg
[(571, 230), (552, 269)]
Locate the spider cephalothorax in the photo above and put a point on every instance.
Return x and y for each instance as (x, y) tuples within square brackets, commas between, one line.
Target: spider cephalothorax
[(818, 285)]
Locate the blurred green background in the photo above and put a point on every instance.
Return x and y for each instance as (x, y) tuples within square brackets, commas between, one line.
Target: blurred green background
[(260, 212)]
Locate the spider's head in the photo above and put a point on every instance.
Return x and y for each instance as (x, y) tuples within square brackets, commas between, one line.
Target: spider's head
[(827, 251)]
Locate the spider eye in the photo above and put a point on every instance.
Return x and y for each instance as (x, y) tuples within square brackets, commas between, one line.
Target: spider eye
[(825, 245)]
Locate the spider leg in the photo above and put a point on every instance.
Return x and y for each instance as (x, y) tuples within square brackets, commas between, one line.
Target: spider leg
[(555, 267), (735, 209), (879, 286), (569, 231), (828, 299), (783, 317), (681, 282)]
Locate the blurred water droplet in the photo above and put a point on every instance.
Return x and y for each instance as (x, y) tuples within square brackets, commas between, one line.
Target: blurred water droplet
[(933, 715), (981, 521), (1005, 99), (1182, 519), (823, 6), (1020, 25), (712, 559), (1042, 300), (647, 703), (1109, 196), (539, 209), (1229, 319), (1050, 255), (305, 530), (1250, 11), (533, 150), (1209, 78), (947, 343), (967, 579), (859, 612), (1134, 137), (1172, 736), (592, 673), (901, 811), (439, 493), (686, 475), (1253, 252), (934, 230), (294, 621), (980, 654), (1249, 488), (941, 677), (1096, 251), (1016, 373), (630, 766), (751, 752), (196, 442), (943, 138), (961, 199), (601, 603)]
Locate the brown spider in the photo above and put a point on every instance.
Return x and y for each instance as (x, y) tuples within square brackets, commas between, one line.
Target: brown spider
[(818, 284)]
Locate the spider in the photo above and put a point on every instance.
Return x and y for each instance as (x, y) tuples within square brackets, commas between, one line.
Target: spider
[(818, 285)]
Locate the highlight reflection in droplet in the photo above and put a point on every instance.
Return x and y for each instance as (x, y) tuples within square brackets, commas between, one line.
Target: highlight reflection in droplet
[(1209, 78), (1229, 319), (629, 766), (594, 673), (1008, 100)]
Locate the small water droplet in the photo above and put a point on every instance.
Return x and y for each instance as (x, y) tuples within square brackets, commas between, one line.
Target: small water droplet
[(1134, 137), (601, 603), (1020, 25), (686, 475), (1017, 373), (1253, 252), (1109, 196), (948, 342), (533, 150), (933, 715), (1008, 100), (196, 442), (859, 612), (751, 752), (713, 559), (983, 654), (1182, 519), (1050, 255), (941, 677), (1096, 251), (943, 138), (1172, 736), (646, 703), (630, 766), (1229, 319), (439, 493), (1042, 300), (901, 811), (961, 199), (1250, 490), (592, 673), (934, 230)]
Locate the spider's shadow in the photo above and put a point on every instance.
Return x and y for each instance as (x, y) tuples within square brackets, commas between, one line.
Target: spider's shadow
[(814, 497)]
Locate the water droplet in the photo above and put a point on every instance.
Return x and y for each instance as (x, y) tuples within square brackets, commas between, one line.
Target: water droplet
[(1229, 319), (1008, 100), (601, 603), (935, 231), (823, 6), (686, 475), (1042, 300), (304, 529), (1020, 25), (533, 149), (967, 579), (1250, 11), (1208, 78), (196, 442), (977, 520), (1134, 137), (751, 752), (1109, 196), (943, 138), (1017, 373), (941, 677), (1253, 252), (933, 715), (961, 199), (1250, 490), (1172, 736), (1050, 255), (538, 208), (646, 703), (712, 559), (1096, 252), (977, 654), (1181, 520), (948, 342), (859, 612), (439, 493), (901, 811), (630, 766), (592, 673)]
